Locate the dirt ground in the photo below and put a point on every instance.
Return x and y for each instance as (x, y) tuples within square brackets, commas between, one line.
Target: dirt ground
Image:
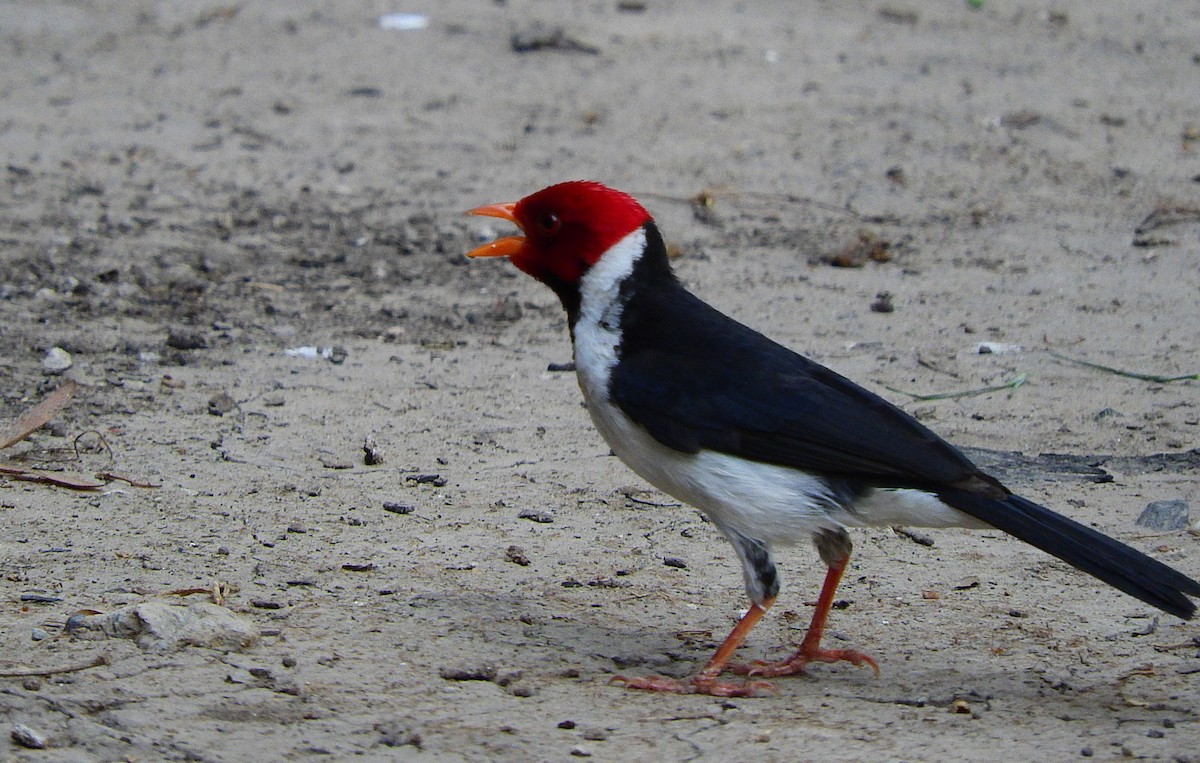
[(194, 191)]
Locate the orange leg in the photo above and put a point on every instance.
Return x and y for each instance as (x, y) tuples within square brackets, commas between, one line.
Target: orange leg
[(705, 682), (810, 649)]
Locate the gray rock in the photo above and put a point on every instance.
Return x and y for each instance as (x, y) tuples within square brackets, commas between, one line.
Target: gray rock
[(28, 737), (160, 627), (1165, 516), (56, 360)]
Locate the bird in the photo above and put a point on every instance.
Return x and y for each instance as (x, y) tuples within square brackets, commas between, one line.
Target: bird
[(772, 447)]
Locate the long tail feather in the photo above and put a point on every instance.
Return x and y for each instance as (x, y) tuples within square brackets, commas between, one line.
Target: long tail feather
[(1082, 547)]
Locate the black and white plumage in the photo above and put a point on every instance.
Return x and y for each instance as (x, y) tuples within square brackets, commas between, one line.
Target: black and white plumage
[(772, 447)]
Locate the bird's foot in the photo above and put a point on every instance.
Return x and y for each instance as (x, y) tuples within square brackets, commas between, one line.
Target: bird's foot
[(700, 684), (798, 661)]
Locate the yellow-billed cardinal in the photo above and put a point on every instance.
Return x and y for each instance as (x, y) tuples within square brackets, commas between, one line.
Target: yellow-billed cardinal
[(771, 446)]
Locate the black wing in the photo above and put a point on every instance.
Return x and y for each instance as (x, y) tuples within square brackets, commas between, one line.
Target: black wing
[(695, 378)]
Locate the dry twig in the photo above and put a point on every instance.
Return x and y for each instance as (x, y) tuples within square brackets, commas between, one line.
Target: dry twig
[(1155, 378), (95, 662), (1010, 385)]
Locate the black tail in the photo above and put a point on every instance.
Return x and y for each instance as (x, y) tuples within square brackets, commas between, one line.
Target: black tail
[(1095, 553)]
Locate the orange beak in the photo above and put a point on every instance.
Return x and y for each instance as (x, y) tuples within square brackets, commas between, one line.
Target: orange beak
[(501, 247)]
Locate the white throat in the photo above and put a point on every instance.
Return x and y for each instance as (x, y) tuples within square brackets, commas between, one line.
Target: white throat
[(598, 329)]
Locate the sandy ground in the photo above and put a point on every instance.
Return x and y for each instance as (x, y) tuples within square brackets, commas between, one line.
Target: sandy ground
[(192, 189)]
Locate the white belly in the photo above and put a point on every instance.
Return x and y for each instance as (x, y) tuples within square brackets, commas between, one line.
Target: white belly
[(772, 504)]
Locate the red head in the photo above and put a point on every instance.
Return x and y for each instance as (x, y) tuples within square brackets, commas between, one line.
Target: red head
[(567, 228)]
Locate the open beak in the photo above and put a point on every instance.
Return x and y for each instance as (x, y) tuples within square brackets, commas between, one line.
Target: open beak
[(501, 247)]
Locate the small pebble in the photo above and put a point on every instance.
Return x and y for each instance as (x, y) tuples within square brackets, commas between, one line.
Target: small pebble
[(219, 405), (372, 453), (38, 634), (56, 360), (544, 517), (674, 561), (186, 339), (516, 555), (398, 508), (27, 737)]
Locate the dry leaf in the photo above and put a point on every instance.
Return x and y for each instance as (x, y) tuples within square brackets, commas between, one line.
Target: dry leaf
[(39, 414)]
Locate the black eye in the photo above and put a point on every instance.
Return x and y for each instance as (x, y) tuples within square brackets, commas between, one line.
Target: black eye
[(549, 224)]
